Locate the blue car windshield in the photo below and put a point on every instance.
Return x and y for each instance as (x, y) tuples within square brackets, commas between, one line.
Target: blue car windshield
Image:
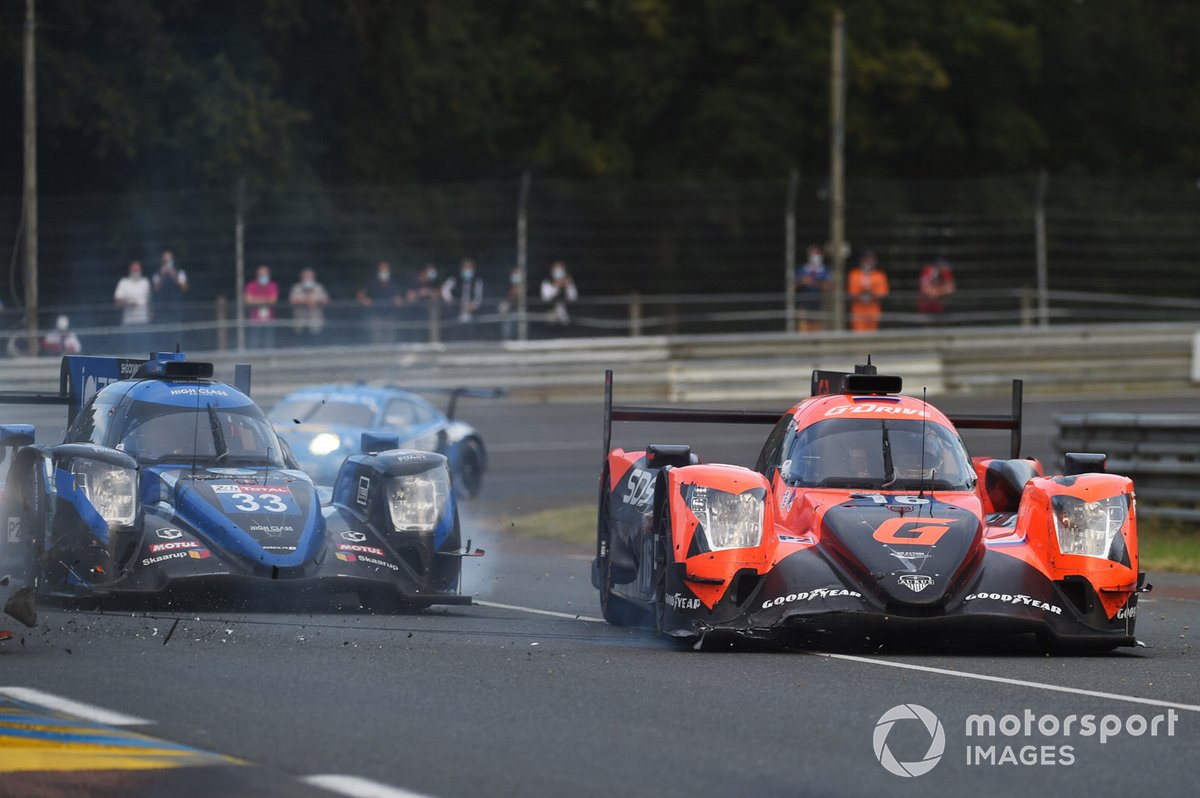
[(212, 436), (871, 453), (320, 411)]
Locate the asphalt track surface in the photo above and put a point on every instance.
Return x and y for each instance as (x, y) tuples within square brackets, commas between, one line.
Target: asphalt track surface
[(527, 694)]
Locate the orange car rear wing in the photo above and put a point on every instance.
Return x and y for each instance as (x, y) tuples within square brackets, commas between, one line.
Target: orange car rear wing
[(1010, 422), (676, 414), (704, 416)]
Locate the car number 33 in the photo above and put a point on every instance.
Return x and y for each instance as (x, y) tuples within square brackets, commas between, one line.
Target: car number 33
[(246, 503)]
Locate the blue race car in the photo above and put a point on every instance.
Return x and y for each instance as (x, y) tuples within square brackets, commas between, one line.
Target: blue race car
[(169, 479), (323, 423)]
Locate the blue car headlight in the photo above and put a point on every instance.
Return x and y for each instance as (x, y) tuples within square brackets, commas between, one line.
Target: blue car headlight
[(416, 500), (111, 489), (324, 443)]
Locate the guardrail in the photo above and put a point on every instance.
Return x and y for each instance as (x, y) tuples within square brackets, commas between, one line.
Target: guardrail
[(1159, 451), (743, 367), (213, 325)]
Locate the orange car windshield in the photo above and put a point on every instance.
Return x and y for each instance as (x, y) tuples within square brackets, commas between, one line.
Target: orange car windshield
[(878, 454)]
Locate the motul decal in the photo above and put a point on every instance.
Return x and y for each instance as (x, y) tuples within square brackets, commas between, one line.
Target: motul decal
[(360, 549), (178, 544), (902, 531)]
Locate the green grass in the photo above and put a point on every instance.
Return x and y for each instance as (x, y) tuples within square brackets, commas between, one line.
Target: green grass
[(575, 525), (1168, 546), (1163, 545)]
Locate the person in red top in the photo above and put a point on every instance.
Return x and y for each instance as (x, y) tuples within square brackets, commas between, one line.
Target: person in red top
[(261, 294), (936, 284), (867, 286)]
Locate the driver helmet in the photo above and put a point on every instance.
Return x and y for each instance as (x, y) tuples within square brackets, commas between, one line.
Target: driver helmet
[(932, 455)]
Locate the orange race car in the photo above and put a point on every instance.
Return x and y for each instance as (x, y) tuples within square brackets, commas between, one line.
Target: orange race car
[(864, 514)]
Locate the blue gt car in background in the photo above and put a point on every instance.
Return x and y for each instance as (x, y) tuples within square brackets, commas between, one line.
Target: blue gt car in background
[(324, 423)]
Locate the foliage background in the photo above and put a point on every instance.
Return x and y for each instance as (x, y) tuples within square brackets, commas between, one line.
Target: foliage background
[(669, 116)]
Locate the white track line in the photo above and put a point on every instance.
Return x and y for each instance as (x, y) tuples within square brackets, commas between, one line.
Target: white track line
[(358, 787), (76, 708), (1153, 702), (551, 613)]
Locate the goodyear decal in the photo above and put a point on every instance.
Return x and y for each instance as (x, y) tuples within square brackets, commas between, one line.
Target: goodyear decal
[(36, 739)]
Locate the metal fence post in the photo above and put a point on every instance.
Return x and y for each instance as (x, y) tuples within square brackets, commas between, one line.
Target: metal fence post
[(239, 248), (522, 258), (435, 319), (789, 254), (1026, 306), (1043, 276), (837, 172), (222, 306)]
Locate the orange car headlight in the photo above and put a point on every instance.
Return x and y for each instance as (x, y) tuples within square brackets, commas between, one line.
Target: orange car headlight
[(1089, 529), (729, 520)]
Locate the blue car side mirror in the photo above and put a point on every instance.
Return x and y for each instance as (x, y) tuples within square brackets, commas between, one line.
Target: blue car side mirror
[(373, 442), (16, 435)]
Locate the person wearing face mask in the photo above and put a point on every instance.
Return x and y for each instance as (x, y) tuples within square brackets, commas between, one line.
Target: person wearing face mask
[(423, 295), (464, 293), (308, 299), (261, 294), (170, 284), (867, 286), (557, 290), (381, 295), (812, 283), (62, 340)]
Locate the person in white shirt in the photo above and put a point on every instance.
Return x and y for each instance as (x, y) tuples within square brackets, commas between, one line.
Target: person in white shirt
[(464, 293), (308, 299), (559, 289), (133, 298)]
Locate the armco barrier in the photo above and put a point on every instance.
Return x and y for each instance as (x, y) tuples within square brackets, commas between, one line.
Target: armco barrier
[(1159, 451), (742, 367)]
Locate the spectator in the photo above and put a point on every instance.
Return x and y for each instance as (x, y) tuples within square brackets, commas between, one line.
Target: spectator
[(867, 286), (61, 340), (425, 286), (169, 284), (261, 294), (381, 297), (132, 296), (558, 290), (308, 299), (812, 281), (423, 295), (936, 285), (511, 304), (465, 294)]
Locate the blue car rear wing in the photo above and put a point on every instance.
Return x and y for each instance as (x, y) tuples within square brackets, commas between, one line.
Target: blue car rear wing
[(81, 376), (455, 394)]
